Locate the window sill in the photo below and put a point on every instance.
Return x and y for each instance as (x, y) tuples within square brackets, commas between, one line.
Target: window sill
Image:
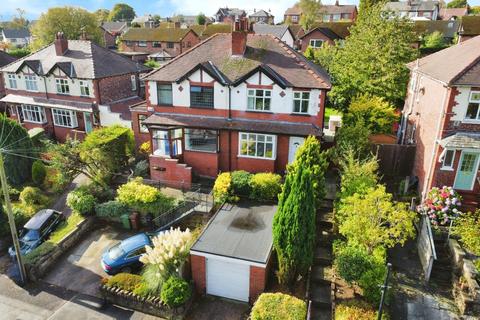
[(259, 111), (257, 158), (67, 127), (306, 114), (471, 121), (447, 169), (201, 151), (29, 121)]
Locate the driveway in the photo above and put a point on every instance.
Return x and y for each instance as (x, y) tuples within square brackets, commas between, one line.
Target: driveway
[(214, 308), (80, 270)]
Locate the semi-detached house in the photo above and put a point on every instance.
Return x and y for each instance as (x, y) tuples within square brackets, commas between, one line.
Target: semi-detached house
[(234, 102), (70, 87)]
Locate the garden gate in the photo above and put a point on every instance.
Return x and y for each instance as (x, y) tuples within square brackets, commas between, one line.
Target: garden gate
[(426, 247)]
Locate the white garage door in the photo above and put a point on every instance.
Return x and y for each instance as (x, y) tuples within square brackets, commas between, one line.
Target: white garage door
[(228, 279)]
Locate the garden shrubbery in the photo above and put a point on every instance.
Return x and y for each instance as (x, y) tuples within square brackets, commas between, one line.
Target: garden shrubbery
[(355, 309), (467, 228), (265, 186), (175, 292), (124, 281), (271, 306), (39, 172), (111, 209), (32, 196), (81, 200)]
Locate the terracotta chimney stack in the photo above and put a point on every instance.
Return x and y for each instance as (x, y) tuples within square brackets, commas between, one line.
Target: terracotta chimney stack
[(239, 36), (61, 44)]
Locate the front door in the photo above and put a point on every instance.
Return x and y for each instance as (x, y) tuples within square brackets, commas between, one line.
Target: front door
[(295, 143), (88, 122), (467, 171)]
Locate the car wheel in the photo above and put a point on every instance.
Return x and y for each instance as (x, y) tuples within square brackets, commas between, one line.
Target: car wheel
[(126, 270)]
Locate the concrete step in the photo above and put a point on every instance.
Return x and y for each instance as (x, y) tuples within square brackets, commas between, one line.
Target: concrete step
[(320, 294), (317, 275), (323, 255)]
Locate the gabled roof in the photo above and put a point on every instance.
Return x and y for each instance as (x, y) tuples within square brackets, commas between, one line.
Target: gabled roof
[(85, 59), (337, 9), (297, 30), (265, 69), (446, 66), (155, 34), (274, 30), (114, 26), (428, 5), (449, 13), (326, 31), (470, 25), (264, 50), (295, 10), (66, 67), (233, 12), (5, 58), (341, 28), (261, 13), (16, 33), (208, 67)]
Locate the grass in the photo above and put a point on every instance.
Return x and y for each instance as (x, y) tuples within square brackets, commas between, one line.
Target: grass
[(66, 227)]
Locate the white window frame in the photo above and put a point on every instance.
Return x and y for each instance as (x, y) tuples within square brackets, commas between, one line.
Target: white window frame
[(133, 80), (141, 127), (28, 112), (32, 80), (294, 18), (336, 17), (264, 97), (301, 99), (314, 45), (475, 101), (62, 85), (142, 43), (445, 166), (12, 80), (84, 88), (250, 134), (59, 115)]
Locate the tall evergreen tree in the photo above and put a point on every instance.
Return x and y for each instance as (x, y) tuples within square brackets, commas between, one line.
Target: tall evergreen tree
[(294, 226)]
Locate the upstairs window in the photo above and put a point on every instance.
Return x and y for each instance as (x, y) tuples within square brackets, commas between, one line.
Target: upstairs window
[(35, 114), (301, 101), (326, 17), (64, 118), (259, 100), (336, 17), (257, 145), (164, 94), (31, 83), (142, 43), (473, 110), (62, 86), (84, 88), (316, 43), (156, 44), (201, 97), (294, 18), (12, 81), (170, 45), (133, 80)]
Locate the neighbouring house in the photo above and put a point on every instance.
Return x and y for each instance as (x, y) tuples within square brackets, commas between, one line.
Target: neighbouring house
[(292, 15), (111, 30), (236, 101), (415, 9), (238, 266), (298, 32), (5, 59), (470, 28), (229, 15), (441, 117), (170, 41), (338, 12), (189, 20), (448, 28), (281, 31), (145, 21), (18, 38), (341, 28), (316, 37), (261, 16), (452, 13), (209, 30), (70, 87)]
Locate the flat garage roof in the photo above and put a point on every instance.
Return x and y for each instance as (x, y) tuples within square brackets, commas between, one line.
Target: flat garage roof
[(241, 231)]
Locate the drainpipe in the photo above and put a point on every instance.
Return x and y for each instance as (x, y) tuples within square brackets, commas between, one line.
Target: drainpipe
[(404, 123), (229, 131)]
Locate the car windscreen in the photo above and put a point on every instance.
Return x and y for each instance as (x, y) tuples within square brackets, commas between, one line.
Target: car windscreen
[(116, 252), (30, 235)]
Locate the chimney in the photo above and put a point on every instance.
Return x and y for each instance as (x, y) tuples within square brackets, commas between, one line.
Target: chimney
[(337, 3), (61, 44), (177, 24), (239, 36)]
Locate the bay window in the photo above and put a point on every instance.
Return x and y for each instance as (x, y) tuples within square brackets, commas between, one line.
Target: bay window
[(12, 81), (141, 125), (201, 97), (473, 109), (301, 101), (35, 114), (201, 140), (259, 99), (62, 86), (31, 83), (64, 118), (164, 94), (167, 143), (257, 145)]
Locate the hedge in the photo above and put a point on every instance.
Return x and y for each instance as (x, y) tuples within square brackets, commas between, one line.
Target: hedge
[(272, 306)]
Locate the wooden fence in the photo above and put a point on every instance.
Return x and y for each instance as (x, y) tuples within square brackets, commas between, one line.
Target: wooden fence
[(395, 159)]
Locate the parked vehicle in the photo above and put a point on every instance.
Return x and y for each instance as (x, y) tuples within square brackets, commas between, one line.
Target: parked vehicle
[(125, 255), (37, 230)]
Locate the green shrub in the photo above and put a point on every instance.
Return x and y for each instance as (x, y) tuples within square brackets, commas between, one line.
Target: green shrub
[(175, 292), (352, 262), (265, 186), (142, 169), (111, 209), (241, 182), (39, 172), (222, 189), (33, 256), (467, 227), (272, 306), (81, 201), (125, 281), (357, 309), (371, 281), (142, 290), (143, 198), (32, 196)]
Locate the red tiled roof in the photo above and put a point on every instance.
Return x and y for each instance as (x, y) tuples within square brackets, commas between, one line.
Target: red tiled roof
[(448, 13)]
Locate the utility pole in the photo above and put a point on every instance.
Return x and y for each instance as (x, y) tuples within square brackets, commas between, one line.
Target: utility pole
[(384, 291), (11, 220)]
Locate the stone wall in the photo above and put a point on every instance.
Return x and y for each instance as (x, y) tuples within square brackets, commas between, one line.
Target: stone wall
[(43, 265), (150, 305)]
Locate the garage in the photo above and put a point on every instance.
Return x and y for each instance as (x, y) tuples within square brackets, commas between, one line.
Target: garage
[(231, 257)]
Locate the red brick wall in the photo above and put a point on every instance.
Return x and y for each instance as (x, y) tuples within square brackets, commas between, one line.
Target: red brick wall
[(258, 281), (116, 88), (178, 47), (203, 163), (140, 137), (190, 39), (109, 39), (199, 273), (315, 35), (170, 172)]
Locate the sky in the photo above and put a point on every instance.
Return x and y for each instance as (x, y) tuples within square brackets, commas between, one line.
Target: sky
[(164, 8)]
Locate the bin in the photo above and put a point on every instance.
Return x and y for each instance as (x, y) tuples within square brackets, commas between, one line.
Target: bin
[(134, 221), (125, 220)]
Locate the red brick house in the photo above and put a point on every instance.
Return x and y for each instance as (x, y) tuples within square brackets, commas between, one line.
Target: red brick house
[(70, 87), (235, 101), (338, 12), (229, 15), (442, 117), (111, 30), (316, 37), (5, 59)]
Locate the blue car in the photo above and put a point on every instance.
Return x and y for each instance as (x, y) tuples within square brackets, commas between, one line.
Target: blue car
[(37, 230), (124, 256)]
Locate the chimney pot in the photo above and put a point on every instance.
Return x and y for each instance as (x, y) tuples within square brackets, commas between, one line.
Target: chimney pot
[(61, 44), (239, 36)]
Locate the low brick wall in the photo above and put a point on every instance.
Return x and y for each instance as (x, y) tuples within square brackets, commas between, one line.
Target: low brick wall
[(466, 286), (150, 305), (36, 271)]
